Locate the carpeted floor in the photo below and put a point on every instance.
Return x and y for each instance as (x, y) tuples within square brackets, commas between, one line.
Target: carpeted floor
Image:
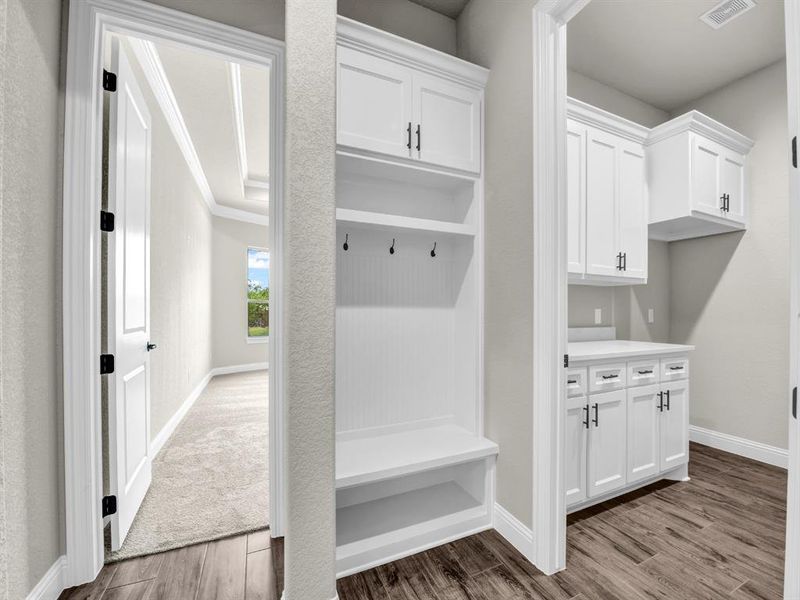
[(210, 479)]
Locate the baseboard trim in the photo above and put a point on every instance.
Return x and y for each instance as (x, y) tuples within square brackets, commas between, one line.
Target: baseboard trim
[(239, 368), (52, 584), (166, 432), (283, 596), (514, 531), (765, 453)]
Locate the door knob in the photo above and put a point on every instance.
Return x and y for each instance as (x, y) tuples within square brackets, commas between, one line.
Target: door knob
[(151, 346)]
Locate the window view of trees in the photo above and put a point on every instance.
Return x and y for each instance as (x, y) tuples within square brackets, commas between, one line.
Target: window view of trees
[(257, 293)]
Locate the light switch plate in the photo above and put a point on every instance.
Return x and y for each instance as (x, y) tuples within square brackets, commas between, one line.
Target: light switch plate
[(598, 316)]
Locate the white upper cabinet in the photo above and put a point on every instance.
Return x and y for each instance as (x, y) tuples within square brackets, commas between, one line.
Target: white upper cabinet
[(696, 171), (400, 99), (606, 197), (373, 103)]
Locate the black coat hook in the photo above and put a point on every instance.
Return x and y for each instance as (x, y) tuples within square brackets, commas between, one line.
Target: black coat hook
[(391, 249), (433, 252), (346, 246)]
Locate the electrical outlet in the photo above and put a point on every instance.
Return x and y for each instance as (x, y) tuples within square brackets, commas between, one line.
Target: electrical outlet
[(651, 315), (598, 316)]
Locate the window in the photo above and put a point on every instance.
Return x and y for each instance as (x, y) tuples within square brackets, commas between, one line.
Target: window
[(257, 294)]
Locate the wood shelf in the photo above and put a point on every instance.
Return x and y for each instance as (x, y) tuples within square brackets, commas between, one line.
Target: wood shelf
[(365, 460), (387, 221)]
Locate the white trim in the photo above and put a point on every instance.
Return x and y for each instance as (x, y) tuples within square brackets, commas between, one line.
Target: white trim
[(153, 69), (51, 584), (549, 278), (253, 188), (514, 531), (606, 121), (765, 453), (157, 443), (89, 22), (704, 125), (261, 366)]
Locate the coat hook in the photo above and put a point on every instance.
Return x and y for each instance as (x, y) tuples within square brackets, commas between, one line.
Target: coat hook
[(433, 252), (391, 249), (346, 246)]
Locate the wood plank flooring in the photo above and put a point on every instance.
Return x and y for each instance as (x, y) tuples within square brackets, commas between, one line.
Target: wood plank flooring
[(720, 535)]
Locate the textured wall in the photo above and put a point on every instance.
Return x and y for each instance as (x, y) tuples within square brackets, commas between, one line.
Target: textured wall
[(497, 35), (229, 300), (3, 539), (310, 286), (30, 383), (730, 292)]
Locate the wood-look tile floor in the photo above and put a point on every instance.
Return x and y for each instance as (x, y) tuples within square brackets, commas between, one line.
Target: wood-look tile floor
[(720, 535)]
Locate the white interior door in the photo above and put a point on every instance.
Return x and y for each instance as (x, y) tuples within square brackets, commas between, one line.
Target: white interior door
[(576, 197), (607, 448), (373, 105), (601, 217), (448, 117), (129, 296), (643, 440), (632, 209), (675, 425), (575, 449)]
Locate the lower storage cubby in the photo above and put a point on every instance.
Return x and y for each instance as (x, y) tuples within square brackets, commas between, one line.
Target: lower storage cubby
[(386, 520)]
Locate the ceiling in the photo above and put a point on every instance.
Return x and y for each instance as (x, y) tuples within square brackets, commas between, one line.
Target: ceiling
[(449, 8), (661, 53), (226, 111)]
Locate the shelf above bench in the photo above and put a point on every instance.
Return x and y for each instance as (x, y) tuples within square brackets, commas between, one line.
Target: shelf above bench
[(387, 221), (365, 460)]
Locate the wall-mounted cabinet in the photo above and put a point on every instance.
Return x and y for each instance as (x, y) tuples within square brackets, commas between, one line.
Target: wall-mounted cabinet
[(607, 198), (697, 178), (397, 107)]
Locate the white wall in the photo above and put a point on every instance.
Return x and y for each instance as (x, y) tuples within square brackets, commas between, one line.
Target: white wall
[(497, 35), (602, 96), (730, 293), (229, 292), (31, 492)]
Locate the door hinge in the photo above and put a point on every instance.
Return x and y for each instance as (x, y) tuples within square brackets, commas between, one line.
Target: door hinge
[(109, 505), (106, 221), (794, 152), (106, 364), (794, 402), (566, 361), (109, 81)]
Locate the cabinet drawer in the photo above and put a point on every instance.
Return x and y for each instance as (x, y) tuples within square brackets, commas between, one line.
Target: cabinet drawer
[(576, 382), (674, 368), (607, 377), (643, 372)]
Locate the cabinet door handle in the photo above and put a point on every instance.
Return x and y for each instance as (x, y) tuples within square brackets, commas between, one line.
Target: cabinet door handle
[(723, 202), (419, 137), (586, 420), (667, 399), (619, 261), (645, 372), (596, 419), (610, 376), (660, 401), (408, 130), (625, 261)]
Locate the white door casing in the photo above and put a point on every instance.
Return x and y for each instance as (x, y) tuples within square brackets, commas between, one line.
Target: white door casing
[(128, 268)]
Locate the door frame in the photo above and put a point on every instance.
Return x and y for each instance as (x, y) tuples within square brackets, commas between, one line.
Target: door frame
[(89, 21), (550, 18)]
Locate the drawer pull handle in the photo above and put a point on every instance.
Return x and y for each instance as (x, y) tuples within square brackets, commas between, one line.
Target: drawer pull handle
[(586, 420), (660, 401), (676, 368), (571, 381), (667, 399), (610, 376), (596, 419), (645, 372)]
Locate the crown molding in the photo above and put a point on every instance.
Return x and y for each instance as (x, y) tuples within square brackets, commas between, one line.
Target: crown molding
[(609, 122), (153, 69), (704, 125)]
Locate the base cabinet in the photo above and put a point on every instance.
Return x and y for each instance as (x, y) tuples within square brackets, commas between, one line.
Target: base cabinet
[(617, 439)]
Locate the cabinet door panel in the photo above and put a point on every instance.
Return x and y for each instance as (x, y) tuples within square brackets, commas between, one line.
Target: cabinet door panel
[(643, 438), (607, 445), (374, 103), (601, 218), (449, 119), (675, 425), (705, 176), (575, 450), (576, 197), (633, 209), (732, 183)]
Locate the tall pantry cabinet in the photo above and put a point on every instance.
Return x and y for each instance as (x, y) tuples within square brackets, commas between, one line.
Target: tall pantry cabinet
[(413, 469)]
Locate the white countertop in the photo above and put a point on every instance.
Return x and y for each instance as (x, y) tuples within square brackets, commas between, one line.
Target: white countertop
[(612, 349)]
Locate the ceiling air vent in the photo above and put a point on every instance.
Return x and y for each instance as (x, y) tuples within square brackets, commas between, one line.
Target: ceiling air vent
[(724, 12)]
